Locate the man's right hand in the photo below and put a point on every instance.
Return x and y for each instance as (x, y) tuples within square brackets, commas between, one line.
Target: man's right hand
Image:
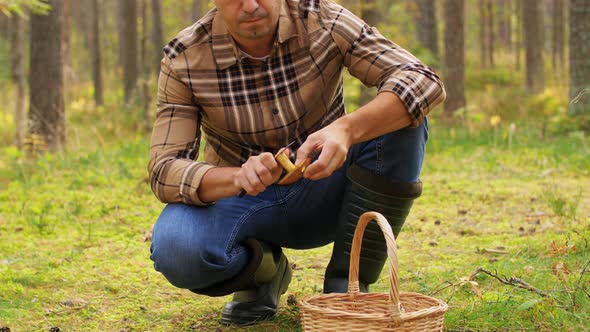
[(257, 173)]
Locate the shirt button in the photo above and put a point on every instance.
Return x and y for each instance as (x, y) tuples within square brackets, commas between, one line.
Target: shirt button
[(275, 111)]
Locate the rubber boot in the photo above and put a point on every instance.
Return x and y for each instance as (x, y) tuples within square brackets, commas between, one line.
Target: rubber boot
[(257, 288), (367, 192), (259, 303)]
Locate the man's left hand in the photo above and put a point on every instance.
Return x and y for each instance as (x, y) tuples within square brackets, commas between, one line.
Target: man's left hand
[(333, 142)]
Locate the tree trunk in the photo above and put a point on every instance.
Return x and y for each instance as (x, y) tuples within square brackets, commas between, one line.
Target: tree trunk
[(96, 53), (18, 75), (82, 11), (370, 14), (504, 23), (426, 26), (454, 59), (533, 44), (197, 10), (146, 65), (486, 33), (129, 46), (5, 23), (490, 29), (109, 24), (579, 59), (158, 33), (69, 74), (518, 34), (483, 32), (558, 35), (46, 113)]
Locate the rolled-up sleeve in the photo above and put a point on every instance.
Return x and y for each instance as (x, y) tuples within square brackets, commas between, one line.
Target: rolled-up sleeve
[(378, 62), (174, 172)]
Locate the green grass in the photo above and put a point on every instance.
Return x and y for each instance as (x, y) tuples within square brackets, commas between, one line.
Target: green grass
[(73, 253)]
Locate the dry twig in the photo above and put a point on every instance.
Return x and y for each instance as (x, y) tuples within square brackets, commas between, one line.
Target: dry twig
[(584, 270), (492, 251), (512, 281)]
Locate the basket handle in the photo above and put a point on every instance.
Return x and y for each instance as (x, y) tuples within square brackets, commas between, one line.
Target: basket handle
[(353, 274)]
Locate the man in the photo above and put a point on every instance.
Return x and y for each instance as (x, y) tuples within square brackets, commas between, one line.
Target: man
[(254, 76)]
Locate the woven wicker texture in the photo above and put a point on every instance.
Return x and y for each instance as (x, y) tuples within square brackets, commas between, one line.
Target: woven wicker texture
[(356, 311)]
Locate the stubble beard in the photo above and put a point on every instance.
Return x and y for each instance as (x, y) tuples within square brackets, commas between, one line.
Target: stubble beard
[(253, 34)]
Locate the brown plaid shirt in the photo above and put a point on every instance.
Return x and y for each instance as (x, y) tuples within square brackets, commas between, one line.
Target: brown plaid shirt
[(243, 107)]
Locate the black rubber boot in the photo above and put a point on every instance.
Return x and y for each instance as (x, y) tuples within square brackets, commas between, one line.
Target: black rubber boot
[(259, 303), (367, 192), (257, 288)]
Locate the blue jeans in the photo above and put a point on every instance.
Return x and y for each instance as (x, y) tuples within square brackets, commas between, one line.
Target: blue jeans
[(196, 247)]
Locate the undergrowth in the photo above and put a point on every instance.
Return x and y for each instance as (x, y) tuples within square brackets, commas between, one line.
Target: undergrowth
[(505, 201)]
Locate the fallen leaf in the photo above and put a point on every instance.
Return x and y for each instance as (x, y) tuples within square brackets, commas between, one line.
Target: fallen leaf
[(476, 290), (559, 269), (147, 236), (492, 251), (74, 303), (547, 172), (557, 250), (317, 266)]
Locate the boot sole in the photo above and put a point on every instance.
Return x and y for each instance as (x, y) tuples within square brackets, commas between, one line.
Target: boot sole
[(250, 317), (246, 318)]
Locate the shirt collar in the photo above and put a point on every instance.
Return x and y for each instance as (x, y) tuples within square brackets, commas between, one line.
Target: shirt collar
[(225, 50)]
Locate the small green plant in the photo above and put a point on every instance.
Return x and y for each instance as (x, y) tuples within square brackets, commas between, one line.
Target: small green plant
[(38, 219), (561, 205)]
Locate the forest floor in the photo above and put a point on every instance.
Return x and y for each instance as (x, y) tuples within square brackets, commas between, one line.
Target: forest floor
[(75, 229)]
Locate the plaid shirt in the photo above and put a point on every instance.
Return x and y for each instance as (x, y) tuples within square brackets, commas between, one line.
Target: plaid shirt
[(244, 107)]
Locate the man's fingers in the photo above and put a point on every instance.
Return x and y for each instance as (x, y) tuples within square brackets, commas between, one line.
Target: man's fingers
[(306, 149), (330, 159), (333, 165), (268, 169), (258, 173), (253, 183), (321, 164)]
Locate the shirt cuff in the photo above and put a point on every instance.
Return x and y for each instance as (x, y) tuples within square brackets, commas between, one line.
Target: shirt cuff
[(190, 182)]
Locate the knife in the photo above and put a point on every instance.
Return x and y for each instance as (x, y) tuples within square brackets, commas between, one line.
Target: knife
[(243, 191)]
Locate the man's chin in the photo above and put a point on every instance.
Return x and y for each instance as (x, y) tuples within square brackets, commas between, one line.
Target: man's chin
[(254, 35)]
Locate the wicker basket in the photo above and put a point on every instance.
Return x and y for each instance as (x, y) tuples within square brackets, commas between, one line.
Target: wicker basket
[(356, 311)]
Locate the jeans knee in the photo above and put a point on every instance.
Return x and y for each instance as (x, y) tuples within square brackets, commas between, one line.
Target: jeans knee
[(185, 264)]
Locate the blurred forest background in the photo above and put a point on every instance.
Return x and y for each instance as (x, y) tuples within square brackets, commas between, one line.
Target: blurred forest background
[(501, 232), (99, 60)]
